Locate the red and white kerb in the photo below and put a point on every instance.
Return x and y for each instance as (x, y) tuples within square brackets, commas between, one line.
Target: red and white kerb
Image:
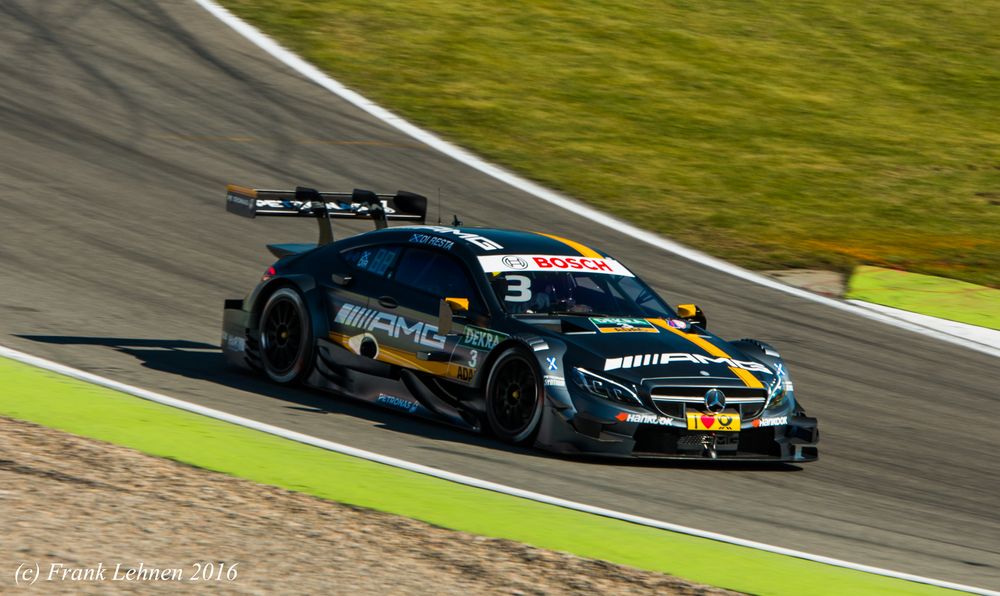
[(506, 263)]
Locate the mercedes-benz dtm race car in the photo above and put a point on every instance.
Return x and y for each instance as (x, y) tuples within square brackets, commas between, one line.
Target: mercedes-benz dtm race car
[(539, 339)]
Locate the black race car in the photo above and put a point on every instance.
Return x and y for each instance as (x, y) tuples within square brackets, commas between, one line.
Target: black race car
[(539, 339)]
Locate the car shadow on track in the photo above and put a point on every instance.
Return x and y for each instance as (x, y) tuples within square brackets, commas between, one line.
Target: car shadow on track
[(205, 362)]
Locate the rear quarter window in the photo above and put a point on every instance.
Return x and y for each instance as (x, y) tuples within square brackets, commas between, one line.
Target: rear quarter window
[(377, 260)]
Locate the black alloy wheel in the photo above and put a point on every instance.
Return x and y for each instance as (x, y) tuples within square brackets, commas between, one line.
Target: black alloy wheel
[(514, 397), (286, 337)]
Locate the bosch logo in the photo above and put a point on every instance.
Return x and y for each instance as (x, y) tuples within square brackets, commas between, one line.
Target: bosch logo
[(515, 262), (715, 400)]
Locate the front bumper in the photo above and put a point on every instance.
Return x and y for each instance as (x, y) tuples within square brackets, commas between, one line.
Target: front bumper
[(592, 427)]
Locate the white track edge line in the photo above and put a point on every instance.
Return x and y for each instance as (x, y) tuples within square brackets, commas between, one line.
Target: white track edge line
[(312, 73), (460, 478)]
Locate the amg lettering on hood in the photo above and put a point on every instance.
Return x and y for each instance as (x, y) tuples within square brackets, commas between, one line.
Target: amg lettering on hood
[(640, 360), (370, 319)]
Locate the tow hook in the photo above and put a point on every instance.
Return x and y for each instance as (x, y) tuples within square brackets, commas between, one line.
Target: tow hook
[(708, 443)]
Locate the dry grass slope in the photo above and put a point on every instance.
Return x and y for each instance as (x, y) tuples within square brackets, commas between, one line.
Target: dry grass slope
[(773, 134)]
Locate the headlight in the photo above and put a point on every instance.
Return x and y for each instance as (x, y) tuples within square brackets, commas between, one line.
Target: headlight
[(604, 387), (778, 388)]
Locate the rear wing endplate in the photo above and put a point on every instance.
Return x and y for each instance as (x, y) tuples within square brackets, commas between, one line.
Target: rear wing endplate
[(308, 202)]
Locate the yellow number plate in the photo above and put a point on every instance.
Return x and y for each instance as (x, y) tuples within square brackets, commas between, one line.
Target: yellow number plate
[(717, 422)]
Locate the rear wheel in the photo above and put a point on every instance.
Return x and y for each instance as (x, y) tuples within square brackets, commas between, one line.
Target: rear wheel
[(514, 397), (286, 348)]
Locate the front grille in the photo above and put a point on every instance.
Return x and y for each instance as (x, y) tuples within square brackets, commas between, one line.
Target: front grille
[(676, 401), (672, 409), (699, 392)]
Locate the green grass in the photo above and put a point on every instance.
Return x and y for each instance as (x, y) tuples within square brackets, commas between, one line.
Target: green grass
[(76, 407), (772, 134), (929, 295)]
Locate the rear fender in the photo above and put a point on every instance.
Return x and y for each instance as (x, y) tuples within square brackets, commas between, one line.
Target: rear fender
[(234, 338), (311, 294)]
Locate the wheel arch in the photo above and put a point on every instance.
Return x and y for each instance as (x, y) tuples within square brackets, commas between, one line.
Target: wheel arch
[(311, 294), (529, 434), (491, 358)]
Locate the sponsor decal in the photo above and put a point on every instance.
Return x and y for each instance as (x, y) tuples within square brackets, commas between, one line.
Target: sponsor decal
[(370, 319), (640, 360), (498, 264), (432, 241), (553, 381), (623, 325), (239, 200), (481, 339), (773, 421), (359, 208), (473, 239), (551, 360), (397, 403), (678, 324), (465, 374), (716, 422), (234, 342), (514, 262), (643, 418)]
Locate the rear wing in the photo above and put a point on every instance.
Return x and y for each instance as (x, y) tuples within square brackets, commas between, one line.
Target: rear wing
[(308, 202)]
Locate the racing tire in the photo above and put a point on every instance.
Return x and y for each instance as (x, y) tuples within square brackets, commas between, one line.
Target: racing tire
[(286, 344), (514, 397)]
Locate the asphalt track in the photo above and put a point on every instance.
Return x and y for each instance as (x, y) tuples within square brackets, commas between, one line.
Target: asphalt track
[(120, 123)]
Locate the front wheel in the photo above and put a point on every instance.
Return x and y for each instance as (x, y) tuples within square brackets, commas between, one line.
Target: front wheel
[(514, 397), (286, 337)]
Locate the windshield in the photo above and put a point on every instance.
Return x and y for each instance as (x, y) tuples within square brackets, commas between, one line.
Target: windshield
[(576, 292)]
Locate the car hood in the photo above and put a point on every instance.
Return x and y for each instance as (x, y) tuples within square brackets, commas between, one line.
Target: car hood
[(653, 351)]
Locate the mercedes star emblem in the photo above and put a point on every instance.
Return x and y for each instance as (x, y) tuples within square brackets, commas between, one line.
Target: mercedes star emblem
[(715, 400)]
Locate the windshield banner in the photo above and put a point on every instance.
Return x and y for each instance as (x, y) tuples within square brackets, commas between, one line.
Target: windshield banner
[(506, 263)]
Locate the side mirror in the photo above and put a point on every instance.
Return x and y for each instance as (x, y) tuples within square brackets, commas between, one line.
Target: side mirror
[(692, 314), (447, 309)]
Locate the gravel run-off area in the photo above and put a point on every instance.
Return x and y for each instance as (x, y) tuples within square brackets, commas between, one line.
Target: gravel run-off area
[(88, 505)]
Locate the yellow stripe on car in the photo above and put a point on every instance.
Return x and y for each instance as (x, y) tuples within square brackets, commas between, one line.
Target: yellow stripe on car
[(583, 249), (744, 375)]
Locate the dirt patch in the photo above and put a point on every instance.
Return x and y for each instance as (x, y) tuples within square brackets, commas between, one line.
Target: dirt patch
[(79, 502), (831, 284)]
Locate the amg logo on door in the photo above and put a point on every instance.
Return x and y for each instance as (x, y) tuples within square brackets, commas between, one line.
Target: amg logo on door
[(370, 319)]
